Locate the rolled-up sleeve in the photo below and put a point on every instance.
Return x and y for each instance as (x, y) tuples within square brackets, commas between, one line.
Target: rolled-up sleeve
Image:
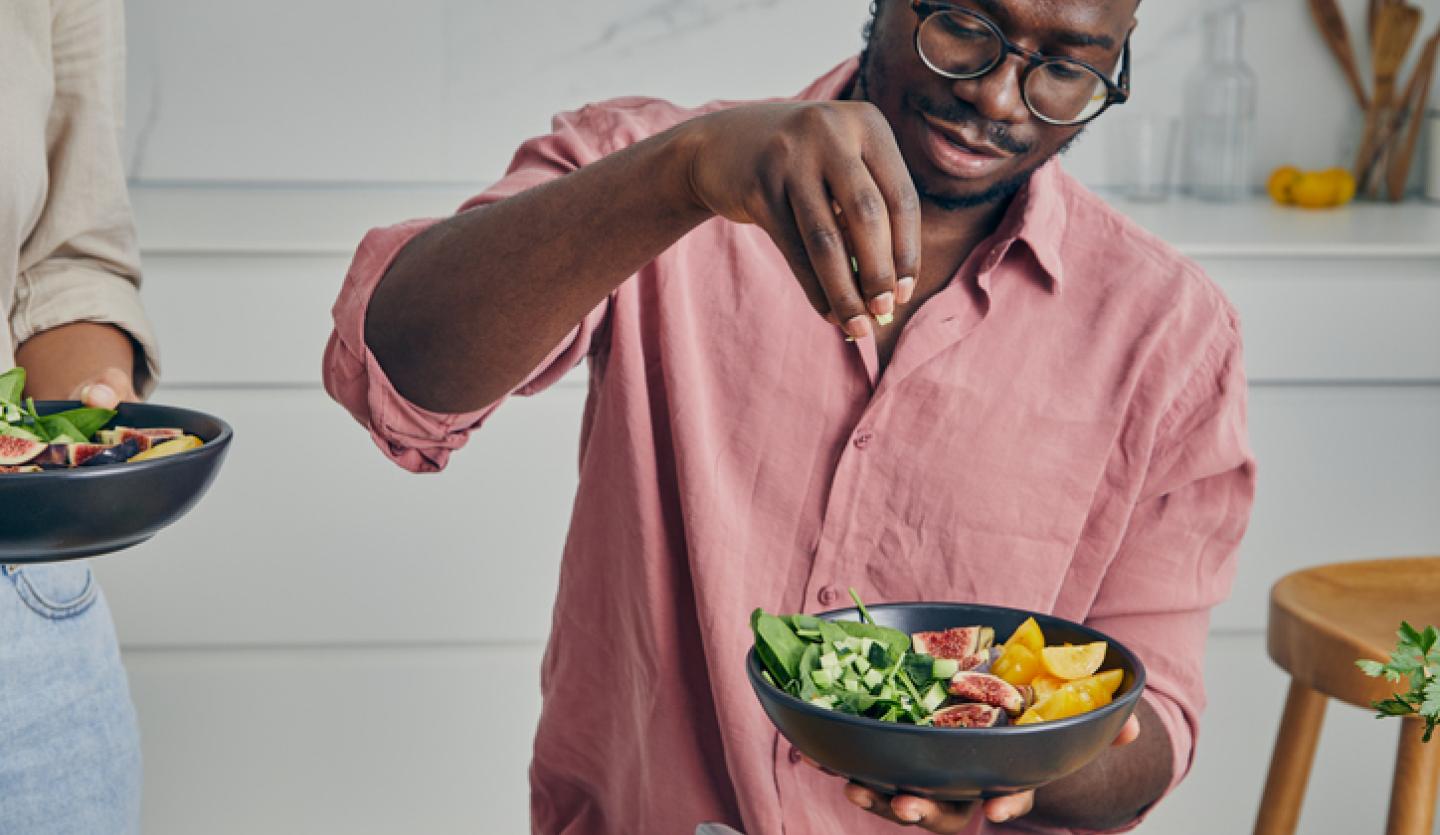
[(418, 439), (81, 261), (1178, 557)]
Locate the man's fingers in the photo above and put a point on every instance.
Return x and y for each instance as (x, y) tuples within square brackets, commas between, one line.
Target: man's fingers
[(866, 222), (1009, 807), (1130, 732), (944, 818), (99, 396), (902, 202), (106, 390), (825, 244)]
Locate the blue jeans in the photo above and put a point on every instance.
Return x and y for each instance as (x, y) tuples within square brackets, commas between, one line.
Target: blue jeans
[(69, 746)]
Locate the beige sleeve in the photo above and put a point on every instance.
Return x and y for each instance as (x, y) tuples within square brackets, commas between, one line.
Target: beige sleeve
[(81, 262)]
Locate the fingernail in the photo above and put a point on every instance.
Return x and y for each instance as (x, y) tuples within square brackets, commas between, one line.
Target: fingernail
[(858, 327), (884, 319), (100, 393), (883, 305), (904, 289), (864, 802), (909, 816)]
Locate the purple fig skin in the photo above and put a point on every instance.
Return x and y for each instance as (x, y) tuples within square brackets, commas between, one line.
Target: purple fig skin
[(113, 454), (15, 451), (969, 716), (987, 689)]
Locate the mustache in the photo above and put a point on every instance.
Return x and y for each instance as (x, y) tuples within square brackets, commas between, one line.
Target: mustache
[(957, 112)]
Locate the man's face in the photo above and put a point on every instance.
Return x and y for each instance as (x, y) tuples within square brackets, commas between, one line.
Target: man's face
[(970, 142)]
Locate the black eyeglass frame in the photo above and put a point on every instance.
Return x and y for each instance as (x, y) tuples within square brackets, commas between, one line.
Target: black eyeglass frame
[(1116, 93)]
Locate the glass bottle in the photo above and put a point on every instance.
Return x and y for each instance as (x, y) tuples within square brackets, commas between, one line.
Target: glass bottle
[(1220, 104)]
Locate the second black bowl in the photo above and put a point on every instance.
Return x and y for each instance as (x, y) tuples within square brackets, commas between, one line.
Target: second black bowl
[(81, 512), (954, 764)]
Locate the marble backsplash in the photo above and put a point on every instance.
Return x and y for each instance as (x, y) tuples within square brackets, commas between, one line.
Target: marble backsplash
[(441, 91)]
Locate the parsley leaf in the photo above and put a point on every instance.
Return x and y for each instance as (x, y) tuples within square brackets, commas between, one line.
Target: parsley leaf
[(1416, 658)]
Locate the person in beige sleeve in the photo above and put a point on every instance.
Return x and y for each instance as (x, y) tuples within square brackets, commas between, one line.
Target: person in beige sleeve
[(70, 313)]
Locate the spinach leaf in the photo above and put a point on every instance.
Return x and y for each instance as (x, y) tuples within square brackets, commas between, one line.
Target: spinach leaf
[(12, 383), (778, 647), (894, 640), (58, 427), (85, 420)]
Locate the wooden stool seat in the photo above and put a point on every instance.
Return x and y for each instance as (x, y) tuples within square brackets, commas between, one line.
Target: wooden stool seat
[(1321, 620)]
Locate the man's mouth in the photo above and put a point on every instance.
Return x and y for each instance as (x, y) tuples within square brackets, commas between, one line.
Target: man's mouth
[(960, 152)]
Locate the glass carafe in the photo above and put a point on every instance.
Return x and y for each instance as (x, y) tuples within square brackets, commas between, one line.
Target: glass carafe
[(1220, 114)]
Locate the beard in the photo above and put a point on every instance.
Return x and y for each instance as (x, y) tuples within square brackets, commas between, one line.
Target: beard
[(873, 76)]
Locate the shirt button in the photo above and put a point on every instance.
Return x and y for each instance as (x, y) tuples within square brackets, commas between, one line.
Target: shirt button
[(863, 438), (829, 596), (794, 755)]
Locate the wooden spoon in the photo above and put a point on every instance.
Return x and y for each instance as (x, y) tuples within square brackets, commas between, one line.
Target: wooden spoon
[(1394, 32), (1417, 93), (1337, 36)]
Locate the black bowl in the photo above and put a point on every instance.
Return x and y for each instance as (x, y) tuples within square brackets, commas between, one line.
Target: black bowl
[(84, 511), (955, 764)]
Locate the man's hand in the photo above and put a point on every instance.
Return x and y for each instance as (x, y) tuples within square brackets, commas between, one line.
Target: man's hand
[(827, 182), (949, 818)]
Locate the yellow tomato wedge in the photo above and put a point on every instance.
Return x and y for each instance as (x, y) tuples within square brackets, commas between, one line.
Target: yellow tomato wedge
[(168, 448), (1016, 664), (1027, 634), (1062, 704), (1070, 663), (1044, 685), (1029, 717)]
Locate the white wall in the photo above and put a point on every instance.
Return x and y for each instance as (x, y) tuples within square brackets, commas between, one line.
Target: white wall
[(315, 648)]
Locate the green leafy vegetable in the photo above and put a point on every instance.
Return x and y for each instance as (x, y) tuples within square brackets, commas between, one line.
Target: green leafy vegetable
[(777, 645), (1415, 662), (12, 383)]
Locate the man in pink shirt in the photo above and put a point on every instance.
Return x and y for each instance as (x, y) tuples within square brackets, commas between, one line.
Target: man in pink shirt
[(870, 336)]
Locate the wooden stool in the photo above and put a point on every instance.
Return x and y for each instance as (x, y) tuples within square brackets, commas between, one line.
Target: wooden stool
[(1321, 620)]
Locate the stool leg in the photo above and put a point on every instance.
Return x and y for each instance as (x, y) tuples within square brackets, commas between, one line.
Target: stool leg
[(1290, 763), (1412, 796)]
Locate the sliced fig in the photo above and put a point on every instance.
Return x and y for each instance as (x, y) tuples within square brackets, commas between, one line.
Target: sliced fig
[(15, 450), (147, 437), (113, 454), (80, 453), (53, 457), (987, 689), (968, 716), (957, 642), (978, 661), (24, 468)]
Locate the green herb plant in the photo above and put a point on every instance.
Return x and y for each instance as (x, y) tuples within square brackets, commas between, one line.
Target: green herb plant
[(1416, 662), (18, 417)]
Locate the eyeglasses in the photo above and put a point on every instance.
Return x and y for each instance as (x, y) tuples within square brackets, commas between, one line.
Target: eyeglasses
[(961, 44)]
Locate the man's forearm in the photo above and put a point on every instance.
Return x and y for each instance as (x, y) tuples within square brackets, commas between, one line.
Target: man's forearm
[(59, 360), (1115, 788), (473, 304)]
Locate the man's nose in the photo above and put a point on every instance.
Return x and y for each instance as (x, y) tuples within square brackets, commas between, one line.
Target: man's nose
[(997, 95)]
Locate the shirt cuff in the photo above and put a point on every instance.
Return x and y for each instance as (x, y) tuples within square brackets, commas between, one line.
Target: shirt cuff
[(62, 292)]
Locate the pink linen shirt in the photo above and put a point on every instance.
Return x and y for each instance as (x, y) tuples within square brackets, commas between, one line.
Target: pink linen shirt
[(1061, 429)]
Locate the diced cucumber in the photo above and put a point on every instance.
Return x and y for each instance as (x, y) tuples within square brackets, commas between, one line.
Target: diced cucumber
[(874, 678), (829, 661), (877, 655), (945, 668), (861, 665), (853, 644), (933, 697), (865, 645), (823, 677), (827, 702), (852, 685)]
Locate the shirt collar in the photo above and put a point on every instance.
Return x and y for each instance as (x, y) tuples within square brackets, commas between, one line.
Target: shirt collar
[(1038, 214)]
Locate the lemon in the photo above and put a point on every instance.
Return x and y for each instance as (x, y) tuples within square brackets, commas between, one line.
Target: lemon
[(1315, 190), (1281, 181), (1344, 184)]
